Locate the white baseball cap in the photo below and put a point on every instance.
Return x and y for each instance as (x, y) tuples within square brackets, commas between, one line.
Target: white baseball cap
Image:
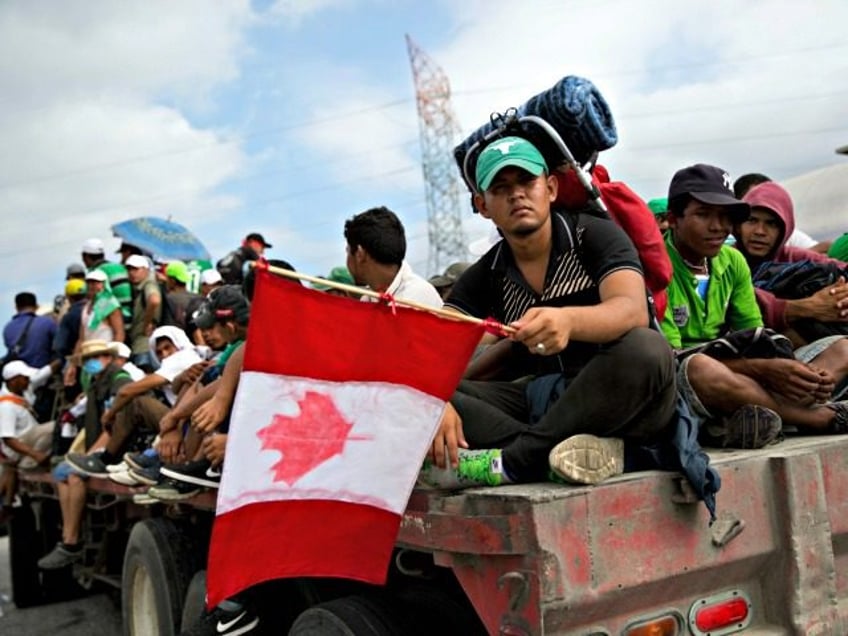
[(18, 367), (138, 261), (210, 277), (96, 274), (93, 246)]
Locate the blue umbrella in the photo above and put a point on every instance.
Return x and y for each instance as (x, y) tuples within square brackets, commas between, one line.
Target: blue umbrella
[(164, 239)]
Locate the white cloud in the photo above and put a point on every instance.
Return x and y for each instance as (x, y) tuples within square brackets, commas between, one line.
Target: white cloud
[(744, 86), (295, 11), (101, 99), (91, 135)]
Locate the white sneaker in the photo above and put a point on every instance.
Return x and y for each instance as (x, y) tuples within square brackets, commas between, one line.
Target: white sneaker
[(117, 468), (124, 478), (587, 459), (143, 499)]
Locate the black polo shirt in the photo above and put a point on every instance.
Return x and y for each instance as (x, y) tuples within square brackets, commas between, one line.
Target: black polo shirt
[(585, 248)]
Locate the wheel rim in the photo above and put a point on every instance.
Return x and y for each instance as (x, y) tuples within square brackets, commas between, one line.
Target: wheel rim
[(144, 619)]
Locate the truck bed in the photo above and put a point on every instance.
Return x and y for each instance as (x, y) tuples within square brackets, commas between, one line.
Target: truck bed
[(577, 558), (557, 559)]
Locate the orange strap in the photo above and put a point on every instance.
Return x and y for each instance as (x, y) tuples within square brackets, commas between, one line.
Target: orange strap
[(17, 399)]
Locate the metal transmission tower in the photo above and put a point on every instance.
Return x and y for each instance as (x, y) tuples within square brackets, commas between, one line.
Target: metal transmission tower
[(439, 134)]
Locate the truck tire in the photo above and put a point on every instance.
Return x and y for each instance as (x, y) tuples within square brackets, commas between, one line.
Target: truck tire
[(351, 616), (195, 600), (24, 552), (158, 566)]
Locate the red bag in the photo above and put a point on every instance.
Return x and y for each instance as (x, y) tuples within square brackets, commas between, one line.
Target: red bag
[(632, 214)]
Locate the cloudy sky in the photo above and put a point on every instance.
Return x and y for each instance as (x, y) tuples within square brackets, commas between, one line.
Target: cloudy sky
[(288, 117)]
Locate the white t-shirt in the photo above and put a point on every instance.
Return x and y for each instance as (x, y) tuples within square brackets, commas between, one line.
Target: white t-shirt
[(15, 420), (136, 374), (172, 366), (407, 285)]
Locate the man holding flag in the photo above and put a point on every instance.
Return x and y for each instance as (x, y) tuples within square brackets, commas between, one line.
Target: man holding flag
[(571, 288), (337, 403)]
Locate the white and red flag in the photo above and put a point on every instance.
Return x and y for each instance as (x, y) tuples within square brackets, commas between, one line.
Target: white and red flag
[(337, 405)]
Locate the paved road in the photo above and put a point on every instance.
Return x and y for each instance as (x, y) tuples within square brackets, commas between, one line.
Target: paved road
[(95, 615)]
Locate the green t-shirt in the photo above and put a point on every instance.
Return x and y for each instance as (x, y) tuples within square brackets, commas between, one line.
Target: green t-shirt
[(730, 302), (228, 351), (118, 283)]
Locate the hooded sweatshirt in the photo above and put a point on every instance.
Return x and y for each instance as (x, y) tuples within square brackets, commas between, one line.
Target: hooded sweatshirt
[(169, 368), (774, 198)]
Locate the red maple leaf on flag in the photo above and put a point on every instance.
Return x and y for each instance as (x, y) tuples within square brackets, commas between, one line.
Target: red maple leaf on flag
[(308, 439)]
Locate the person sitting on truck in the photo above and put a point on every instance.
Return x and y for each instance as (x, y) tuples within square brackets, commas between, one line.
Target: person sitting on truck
[(761, 238), (571, 289), (135, 407), (376, 249), (97, 358), (796, 237), (23, 441), (223, 320), (711, 295)]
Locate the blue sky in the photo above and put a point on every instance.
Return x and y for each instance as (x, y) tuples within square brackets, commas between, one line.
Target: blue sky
[(289, 117)]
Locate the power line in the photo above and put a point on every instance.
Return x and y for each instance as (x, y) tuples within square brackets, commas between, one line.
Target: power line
[(384, 106), (216, 143)]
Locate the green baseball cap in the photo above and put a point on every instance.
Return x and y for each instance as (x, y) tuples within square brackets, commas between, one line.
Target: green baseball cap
[(839, 248), (178, 271), (337, 275), (509, 151), (659, 205)]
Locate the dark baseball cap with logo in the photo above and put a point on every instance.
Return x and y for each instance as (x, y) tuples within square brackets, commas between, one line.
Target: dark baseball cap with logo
[(222, 304), (710, 185), (255, 236)]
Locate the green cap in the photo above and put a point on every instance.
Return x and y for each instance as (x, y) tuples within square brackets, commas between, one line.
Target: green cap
[(509, 151), (658, 206), (337, 275), (839, 248), (178, 271)]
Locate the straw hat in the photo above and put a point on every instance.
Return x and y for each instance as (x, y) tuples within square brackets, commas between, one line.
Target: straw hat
[(91, 348)]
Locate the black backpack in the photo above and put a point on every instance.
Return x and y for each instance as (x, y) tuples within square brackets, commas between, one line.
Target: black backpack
[(802, 279), (231, 267)]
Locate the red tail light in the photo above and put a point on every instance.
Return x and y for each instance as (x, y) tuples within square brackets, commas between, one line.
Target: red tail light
[(722, 614)]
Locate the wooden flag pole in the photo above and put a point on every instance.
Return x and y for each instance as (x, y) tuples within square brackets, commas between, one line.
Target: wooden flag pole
[(364, 291)]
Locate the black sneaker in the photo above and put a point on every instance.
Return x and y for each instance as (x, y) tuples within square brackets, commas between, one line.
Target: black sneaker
[(749, 427), (199, 473), (171, 490), (140, 461), (221, 622), (91, 465), (149, 475)]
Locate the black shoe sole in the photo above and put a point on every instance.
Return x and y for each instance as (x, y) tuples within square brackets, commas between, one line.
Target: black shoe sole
[(189, 479)]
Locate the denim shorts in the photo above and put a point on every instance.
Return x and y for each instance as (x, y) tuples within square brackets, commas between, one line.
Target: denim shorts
[(63, 470), (810, 352), (685, 390)]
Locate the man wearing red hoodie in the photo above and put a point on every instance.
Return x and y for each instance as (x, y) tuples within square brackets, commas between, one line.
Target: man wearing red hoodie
[(762, 237)]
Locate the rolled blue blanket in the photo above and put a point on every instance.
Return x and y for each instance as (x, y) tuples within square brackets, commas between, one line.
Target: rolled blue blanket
[(576, 110)]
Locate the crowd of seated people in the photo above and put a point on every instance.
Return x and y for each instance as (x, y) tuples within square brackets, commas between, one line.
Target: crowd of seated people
[(150, 370)]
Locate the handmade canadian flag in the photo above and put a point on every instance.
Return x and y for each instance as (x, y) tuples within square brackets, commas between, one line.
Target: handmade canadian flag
[(337, 404)]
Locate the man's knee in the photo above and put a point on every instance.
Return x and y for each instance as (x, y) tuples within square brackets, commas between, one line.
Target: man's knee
[(643, 349), (710, 377)]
